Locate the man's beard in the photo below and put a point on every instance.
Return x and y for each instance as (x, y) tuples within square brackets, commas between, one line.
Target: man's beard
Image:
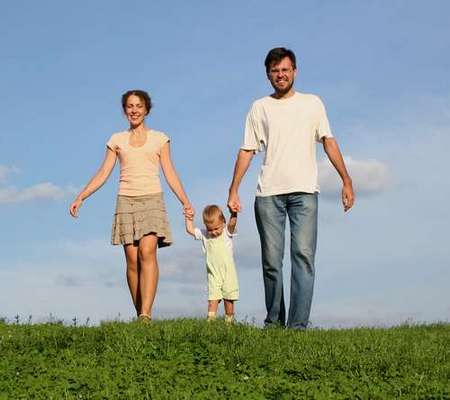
[(283, 91)]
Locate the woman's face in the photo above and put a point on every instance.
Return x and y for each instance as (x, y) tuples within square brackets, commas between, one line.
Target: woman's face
[(135, 110)]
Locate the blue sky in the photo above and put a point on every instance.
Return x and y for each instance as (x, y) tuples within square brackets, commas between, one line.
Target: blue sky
[(381, 69)]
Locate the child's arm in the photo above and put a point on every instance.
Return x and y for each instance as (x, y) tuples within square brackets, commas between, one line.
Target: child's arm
[(232, 222), (189, 226)]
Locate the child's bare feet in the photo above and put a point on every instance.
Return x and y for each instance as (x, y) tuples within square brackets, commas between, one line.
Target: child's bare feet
[(211, 316), (229, 318)]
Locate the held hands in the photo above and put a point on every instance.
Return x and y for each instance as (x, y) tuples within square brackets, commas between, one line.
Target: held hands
[(188, 211), (75, 206), (348, 196), (234, 203)]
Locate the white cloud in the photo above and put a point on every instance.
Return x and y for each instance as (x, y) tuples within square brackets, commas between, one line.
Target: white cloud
[(40, 191), (368, 176)]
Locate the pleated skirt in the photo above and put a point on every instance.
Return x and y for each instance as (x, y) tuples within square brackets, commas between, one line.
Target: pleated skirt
[(137, 216)]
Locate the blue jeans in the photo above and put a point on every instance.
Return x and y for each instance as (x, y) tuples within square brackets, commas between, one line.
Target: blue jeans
[(270, 213)]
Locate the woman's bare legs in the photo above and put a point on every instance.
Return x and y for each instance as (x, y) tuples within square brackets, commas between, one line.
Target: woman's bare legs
[(148, 272), (133, 269)]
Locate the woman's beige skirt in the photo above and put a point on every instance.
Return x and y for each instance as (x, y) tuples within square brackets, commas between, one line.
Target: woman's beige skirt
[(137, 216)]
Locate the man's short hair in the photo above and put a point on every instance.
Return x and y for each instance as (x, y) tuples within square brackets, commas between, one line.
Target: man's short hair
[(275, 55)]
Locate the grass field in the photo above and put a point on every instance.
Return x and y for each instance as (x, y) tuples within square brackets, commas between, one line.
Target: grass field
[(191, 359)]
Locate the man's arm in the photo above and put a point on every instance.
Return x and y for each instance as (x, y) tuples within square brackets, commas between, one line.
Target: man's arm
[(243, 161), (334, 155)]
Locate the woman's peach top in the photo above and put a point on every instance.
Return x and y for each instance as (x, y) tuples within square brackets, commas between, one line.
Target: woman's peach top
[(139, 166)]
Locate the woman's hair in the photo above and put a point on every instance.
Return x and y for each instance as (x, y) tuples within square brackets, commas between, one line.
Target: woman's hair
[(275, 55), (211, 213), (144, 96)]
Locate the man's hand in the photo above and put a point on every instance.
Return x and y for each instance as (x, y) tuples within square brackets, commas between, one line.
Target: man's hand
[(348, 196), (234, 203)]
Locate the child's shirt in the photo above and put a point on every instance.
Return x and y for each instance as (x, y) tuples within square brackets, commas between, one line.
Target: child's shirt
[(222, 276), (226, 236)]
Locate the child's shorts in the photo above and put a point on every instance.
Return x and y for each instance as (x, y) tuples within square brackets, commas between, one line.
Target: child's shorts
[(223, 285), (137, 216)]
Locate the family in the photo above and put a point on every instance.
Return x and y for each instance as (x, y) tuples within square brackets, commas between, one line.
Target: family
[(285, 126)]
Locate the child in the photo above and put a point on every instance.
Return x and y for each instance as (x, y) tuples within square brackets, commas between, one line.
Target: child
[(218, 249)]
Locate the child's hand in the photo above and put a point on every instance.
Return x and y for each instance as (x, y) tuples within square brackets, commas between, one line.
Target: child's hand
[(232, 221), (188, 212)]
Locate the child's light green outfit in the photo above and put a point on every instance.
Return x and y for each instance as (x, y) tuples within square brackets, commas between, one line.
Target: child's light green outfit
[(222, 276)]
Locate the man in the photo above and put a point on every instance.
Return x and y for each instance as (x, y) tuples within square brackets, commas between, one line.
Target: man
[(286, 125)]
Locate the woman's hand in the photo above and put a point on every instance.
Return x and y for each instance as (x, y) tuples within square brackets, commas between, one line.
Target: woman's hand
[(75, 206), (188, 211), (95, 183)]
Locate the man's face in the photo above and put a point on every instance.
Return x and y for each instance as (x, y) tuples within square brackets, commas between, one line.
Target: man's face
[(282, 75)]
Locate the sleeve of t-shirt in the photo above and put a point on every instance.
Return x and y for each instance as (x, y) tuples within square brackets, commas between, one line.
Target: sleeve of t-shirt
[(112, 143), (198, 234), (163, 139), (323, 126), (253, 134)]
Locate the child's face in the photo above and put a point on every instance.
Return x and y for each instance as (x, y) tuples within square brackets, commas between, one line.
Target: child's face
[(215, 228)]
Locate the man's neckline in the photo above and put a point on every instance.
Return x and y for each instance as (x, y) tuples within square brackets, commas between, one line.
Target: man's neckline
[(282, 99)]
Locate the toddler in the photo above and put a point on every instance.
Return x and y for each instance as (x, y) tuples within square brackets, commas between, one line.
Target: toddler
[(218, 249)]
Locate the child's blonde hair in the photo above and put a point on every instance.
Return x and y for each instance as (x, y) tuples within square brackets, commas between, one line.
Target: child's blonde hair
[(211, 213)]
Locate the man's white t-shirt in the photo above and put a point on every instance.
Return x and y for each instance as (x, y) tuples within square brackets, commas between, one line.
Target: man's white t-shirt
[(287, 130)]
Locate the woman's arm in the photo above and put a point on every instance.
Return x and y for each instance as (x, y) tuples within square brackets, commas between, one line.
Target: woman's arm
[(96, 182), (173, 181)]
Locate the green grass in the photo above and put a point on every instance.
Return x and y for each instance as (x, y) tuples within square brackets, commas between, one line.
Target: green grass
[(191, 359)]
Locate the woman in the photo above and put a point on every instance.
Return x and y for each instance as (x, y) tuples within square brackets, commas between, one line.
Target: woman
[(140, 221)]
